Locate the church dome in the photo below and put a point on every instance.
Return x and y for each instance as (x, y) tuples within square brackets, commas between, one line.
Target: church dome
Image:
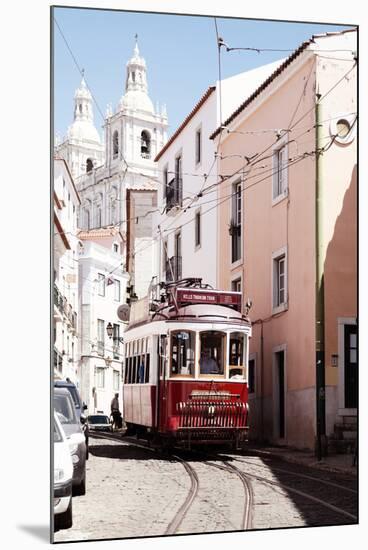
[(136, 100), (83, 130)]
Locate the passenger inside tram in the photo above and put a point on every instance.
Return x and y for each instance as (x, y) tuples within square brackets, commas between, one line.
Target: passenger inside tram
[(207, 364)]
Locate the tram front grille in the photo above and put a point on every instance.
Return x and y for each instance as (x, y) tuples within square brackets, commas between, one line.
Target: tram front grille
[(219, 414)]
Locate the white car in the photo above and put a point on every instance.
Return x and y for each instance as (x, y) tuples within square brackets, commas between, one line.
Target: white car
[(63, 478)]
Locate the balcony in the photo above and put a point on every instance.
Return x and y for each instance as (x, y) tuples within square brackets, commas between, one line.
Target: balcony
[(174, 193), (58, 361), (63, 310), (173, 269)]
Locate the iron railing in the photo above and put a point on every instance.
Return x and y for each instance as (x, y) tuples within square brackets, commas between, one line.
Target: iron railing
[(174, 193)]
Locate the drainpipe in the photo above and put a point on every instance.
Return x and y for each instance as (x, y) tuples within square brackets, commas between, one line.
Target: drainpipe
[(321, 445)]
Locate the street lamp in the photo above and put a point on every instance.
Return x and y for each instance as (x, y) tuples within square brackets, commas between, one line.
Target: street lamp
[(110, 332)]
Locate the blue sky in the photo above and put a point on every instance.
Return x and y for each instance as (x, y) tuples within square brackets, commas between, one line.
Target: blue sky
[(180, 52)]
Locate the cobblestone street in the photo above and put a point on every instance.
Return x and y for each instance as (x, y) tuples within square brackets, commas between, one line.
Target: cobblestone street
[(133, 492)]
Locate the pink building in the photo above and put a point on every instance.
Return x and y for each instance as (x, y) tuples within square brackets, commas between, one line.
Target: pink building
[(288, 237)]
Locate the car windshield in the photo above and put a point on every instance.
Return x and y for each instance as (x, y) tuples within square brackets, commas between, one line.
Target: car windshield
[(57, 434), (65, 409), (95, 419)]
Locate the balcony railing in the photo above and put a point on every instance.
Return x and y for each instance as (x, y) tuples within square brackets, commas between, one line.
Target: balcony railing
[(64, 307), (174, 193), (173, 269)]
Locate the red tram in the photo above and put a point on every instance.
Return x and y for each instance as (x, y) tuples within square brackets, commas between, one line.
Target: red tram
[(186, 367)]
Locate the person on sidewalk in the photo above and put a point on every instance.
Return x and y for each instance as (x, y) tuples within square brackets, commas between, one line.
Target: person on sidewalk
[(115, 411)]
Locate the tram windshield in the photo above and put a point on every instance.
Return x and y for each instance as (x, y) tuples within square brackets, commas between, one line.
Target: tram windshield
[(237, 355), (212, 351), (183, 352)]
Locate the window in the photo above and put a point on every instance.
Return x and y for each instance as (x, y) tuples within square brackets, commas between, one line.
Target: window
[(280, 158), (178, 187), (165, 259), (98, 215), (279, 280), (117, 290), (115, 144), (165, 181), (236, 285), (100, 377), (101, 284), (177, 258), (197, 228), (100, 336), (198, 146), (235, 223), (251, 376), (237, 355), (182, 352), (212, 350), (89, 166), (145, 145), (115, 340), (116, 380)]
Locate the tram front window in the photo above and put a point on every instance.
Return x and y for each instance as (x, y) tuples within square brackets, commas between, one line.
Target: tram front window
[(212, 352), (182, 352), (236, 355)]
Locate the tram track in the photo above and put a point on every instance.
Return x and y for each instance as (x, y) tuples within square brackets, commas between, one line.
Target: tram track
[(246, 478), (303, 494), (179, 517)]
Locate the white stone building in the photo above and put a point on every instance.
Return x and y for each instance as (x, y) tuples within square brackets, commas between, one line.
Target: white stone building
[(102, 290), (134, 134), (186, 232), (65, 272)]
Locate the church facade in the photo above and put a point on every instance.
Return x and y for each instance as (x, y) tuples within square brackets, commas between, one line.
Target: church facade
[(116, 177)]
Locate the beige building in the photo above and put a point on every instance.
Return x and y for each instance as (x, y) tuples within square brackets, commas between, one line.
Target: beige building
[(288, 238)]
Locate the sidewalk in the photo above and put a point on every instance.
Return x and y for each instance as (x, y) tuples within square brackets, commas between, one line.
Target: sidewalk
[(341, 463)]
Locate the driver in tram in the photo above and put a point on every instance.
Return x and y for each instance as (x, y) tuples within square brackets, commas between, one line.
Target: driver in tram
[(207, 364)]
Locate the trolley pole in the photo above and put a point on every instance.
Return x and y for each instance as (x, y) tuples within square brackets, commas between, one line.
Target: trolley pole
[(321, 445)]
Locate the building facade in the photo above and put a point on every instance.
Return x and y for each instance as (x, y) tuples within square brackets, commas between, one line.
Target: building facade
[(287, 230), (102, 289), (65, 274), (186, 226)]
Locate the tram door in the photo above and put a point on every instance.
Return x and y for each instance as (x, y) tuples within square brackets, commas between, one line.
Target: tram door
[(161, 369)]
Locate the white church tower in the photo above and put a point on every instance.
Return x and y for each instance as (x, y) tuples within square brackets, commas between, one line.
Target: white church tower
[(121, 190), (82, 148), (136, 132)]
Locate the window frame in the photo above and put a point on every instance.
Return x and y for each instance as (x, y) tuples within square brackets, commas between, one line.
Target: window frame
[(194, 349), (101, 278), (277, 304), (198, 146), (225, 344), (236, 222), (198, 229), (100, 343), (117, 290), (280, 178)]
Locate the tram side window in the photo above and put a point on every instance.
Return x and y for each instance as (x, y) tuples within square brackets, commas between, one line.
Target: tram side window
[(126, 370), (236, 355), (141, 368), (212, 352), (183, 352), (147, 373)]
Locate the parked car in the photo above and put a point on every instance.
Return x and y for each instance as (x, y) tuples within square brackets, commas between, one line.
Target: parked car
[(79, 405), (99, 423), (63, 478), (65, 409)]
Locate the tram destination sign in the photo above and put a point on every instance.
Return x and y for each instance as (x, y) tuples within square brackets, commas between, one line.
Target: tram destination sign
[(214, 297)]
